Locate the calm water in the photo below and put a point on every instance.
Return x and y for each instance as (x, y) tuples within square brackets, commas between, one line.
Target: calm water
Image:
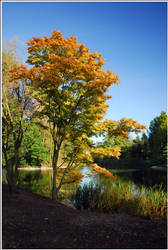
[(40, 181)]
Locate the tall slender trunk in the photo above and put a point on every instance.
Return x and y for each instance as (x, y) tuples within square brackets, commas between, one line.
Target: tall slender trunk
[(54, 190), (54, 166), (9, 174)]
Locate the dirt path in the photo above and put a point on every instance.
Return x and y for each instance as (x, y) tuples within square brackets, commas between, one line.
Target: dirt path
[(31, 221)]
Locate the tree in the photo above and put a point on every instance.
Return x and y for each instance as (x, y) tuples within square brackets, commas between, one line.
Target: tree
[(158, 138), (15, 105), (70, 86), (33, 151)]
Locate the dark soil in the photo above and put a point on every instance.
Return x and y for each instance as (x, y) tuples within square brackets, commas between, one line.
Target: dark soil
[(31, 221)]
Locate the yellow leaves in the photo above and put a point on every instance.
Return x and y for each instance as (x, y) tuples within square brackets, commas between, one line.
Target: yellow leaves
[(106, 152), (84, 158), (83, 49), (97, 169), (122, 127), (107, 125), (101, 61), (130, 125), (74, 175)]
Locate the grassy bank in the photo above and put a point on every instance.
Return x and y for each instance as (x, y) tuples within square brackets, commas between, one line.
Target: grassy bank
[(122, 198)]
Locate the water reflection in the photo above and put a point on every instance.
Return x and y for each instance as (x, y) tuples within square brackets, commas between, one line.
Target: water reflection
[(40, 181), (147, 177), (88, 176)]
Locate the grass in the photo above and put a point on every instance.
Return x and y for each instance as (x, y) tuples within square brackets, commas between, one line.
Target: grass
[(122, 198)]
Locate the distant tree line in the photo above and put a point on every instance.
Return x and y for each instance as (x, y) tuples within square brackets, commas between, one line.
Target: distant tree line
[(149, 150)]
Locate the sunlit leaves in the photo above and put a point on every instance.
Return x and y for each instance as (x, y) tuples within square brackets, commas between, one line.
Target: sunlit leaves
[(99, 152), (70, 86), (122, 127), (97, 169)]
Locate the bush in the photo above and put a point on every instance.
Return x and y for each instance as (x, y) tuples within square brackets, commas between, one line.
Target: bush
[(85, 196)]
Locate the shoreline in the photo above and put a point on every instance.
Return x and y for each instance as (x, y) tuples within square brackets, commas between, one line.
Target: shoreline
[(37, 168), (34, 168)]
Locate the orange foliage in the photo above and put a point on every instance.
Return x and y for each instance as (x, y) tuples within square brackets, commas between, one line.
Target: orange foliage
[(98, 169), (69, 83), (66, 74)]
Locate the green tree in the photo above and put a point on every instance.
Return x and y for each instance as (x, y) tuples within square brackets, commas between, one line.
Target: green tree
[(33, 151), (140, 148), (158, 139)]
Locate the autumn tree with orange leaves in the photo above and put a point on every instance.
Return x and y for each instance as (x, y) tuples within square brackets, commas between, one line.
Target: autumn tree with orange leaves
[(69, 85)]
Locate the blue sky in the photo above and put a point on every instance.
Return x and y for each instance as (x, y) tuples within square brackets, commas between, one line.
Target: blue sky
[(130, 35)]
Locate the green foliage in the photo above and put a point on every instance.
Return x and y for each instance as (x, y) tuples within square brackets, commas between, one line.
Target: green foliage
[(140, 152), (134, 153), (33, 151), (34, 181), (14, 104), (158, 139), (163, 156), (139, 149), (119, 140)]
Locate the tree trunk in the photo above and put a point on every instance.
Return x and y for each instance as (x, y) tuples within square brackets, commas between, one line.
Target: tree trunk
[(54, 189), (12, 169), (63, 175), (54, 166), (12, 174)]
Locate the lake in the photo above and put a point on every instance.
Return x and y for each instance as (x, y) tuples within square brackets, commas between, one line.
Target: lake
[(40, 181)]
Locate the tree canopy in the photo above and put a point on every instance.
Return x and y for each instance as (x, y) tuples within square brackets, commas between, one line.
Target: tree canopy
[(70, 88), (158, 138)]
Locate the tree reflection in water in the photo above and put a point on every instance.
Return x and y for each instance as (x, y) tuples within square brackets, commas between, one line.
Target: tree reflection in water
[(40, 181)]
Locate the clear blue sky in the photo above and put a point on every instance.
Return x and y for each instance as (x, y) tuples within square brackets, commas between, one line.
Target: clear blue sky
[(131, 37)]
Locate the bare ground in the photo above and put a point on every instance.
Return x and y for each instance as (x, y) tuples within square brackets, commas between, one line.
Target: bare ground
[(31, 221)]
